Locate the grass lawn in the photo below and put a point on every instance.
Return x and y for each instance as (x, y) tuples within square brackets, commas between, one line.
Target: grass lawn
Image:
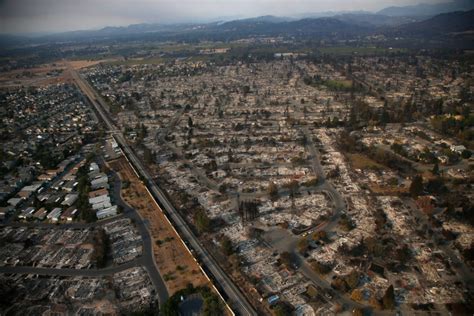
[(362, 162), (338, 84)]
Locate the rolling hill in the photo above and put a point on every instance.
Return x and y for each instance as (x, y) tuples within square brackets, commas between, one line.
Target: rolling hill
[(443, 24), (428, 9)]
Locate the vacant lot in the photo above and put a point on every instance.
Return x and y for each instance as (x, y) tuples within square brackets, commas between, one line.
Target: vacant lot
[(388, 190), (176, 265), (39, 76), (359, 161), (47, 74)]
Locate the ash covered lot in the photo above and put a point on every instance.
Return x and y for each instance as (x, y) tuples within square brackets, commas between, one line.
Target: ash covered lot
[(118, 293)]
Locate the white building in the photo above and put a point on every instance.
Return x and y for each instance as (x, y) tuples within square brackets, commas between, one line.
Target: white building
[(101, 182), (70, 199), (110, 211), (102, 205), (54, 214), (99, 199)]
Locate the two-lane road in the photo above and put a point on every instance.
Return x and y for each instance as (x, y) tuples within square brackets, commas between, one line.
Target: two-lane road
[(147, 255)]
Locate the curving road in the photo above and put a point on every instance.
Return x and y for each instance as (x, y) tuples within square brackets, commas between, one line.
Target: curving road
[(148, 259), (334, 195)]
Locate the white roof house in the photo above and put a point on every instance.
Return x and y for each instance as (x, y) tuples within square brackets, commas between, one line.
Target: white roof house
[(106, 212), (458, 149), (54, 214), (101, 182), (94, 167), (99, 199), (28, 212), (102, 205), (70, 199)]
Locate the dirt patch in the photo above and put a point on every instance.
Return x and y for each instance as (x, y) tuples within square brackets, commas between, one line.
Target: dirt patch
[(39, 76), (104, 306), (388, 190), (44, 75), (79, 64), (176, 265), (359, 161)]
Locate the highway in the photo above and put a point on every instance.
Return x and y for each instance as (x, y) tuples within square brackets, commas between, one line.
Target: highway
[(235, 297)]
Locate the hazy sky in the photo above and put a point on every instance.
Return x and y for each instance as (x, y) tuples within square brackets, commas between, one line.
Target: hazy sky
[(25, 16)]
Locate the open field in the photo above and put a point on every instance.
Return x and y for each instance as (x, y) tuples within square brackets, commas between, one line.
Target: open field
[(38, 76), (388, 190), (349, 50), (359, 161), (338, 84), (176, 265), (47, 74)]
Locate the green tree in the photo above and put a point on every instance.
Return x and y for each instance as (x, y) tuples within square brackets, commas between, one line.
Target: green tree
[(226, 245), (320, 268), (303, 245), (466, 154), (339, 284), (148, 155), (388, 299), (286, 258), (101, 248), (273, 191), (202, 221), (320, 235), (384, 117), (85, 211), (352, 279), (141, 130), (346, 223), (356, 295), (212, 305), (416, 186), (293, 187), (282, 309)]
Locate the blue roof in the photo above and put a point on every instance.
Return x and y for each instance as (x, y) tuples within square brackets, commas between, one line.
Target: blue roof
[(273, 299)]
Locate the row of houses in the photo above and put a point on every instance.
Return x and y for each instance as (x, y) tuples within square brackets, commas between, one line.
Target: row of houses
[(55, 215), (99, 198)]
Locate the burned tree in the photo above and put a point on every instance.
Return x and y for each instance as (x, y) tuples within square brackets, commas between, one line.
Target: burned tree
[(248, 210)]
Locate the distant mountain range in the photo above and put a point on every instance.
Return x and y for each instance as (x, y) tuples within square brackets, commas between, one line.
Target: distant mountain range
[(351, 25), (430, 9), (339, 26), (446, 23), (301, 28), (374, 19)]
